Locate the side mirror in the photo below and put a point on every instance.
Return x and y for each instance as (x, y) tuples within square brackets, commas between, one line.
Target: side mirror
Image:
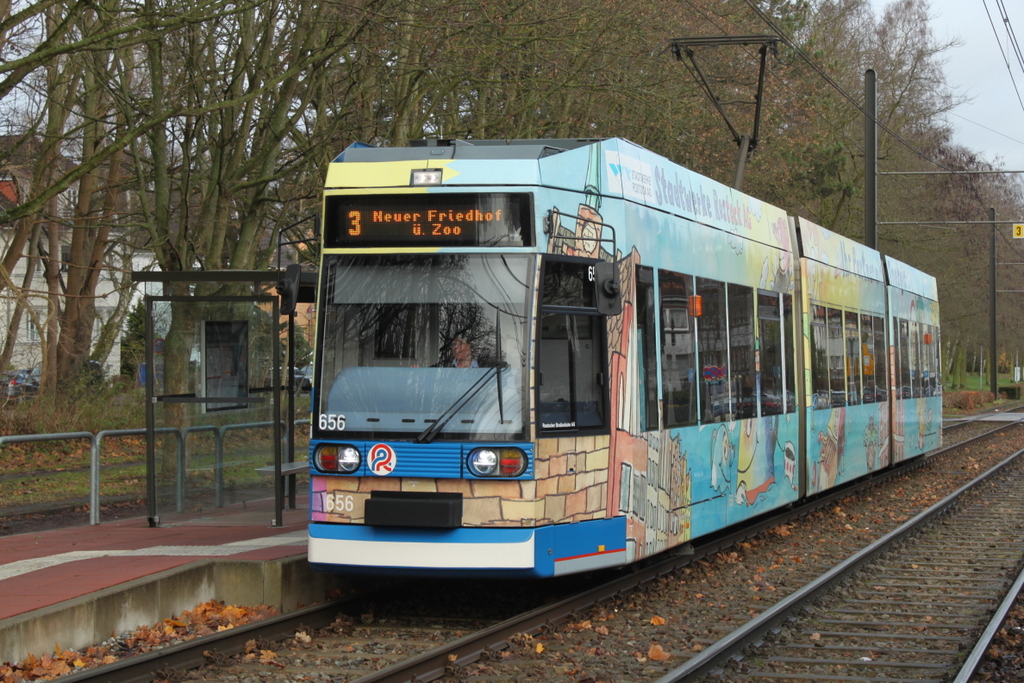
[(296, 287), (608, 288)]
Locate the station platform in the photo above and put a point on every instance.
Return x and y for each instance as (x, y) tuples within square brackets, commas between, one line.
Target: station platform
[(77, 586)]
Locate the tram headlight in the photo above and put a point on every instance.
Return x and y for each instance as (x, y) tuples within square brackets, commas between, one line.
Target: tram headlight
[(497, 462), (340, 458)]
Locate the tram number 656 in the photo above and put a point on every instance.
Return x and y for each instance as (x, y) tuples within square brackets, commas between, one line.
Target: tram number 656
[(337, 501), (332, 422)]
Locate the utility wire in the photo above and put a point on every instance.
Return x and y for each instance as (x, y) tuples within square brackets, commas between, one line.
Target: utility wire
[(991, 130)]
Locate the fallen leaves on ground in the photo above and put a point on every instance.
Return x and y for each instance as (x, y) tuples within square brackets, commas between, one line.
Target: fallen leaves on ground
[(205, 619), (657, 653)]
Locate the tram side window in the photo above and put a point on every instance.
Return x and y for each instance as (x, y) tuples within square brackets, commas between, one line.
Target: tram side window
[(789, 343), (902, 328), (865, 353), (881, 359), (836, 359), (678, 367), (741, 350), (713, 360), (924, 361), (915, 359), (854, 360), (931, 349), (819, 357), (646, 346), (775, 398), (930, 358)]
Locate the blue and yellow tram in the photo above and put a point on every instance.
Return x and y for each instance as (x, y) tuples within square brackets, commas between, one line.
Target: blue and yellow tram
[(543, 357)]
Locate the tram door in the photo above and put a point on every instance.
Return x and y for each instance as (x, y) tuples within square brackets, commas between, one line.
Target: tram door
[(213, 416)]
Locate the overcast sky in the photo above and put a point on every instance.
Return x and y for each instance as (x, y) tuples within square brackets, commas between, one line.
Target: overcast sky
[(992, 123)]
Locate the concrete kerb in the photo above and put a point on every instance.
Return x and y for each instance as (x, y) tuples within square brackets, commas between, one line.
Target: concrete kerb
[(286, 584)]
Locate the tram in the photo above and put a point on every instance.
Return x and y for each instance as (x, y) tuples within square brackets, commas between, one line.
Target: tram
[(542, 357)]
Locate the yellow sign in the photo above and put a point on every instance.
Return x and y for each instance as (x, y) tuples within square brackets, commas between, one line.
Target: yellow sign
[(1018, 229)]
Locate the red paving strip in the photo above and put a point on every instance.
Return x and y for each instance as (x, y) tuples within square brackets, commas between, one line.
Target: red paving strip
[(46, 568)]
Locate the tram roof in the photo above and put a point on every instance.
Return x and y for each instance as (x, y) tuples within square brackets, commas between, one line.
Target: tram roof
[(465, 149)]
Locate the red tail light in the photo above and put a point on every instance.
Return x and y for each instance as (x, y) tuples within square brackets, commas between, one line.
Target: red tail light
[(511, 467), (328, 459)]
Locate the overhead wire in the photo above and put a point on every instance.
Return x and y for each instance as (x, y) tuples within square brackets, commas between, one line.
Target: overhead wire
[(1010, 34), (1011, 39)]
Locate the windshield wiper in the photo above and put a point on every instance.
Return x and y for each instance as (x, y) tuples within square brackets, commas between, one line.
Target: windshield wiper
[(431, 432)]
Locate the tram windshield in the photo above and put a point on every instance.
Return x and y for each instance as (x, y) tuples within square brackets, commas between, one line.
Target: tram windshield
[(425, 347)]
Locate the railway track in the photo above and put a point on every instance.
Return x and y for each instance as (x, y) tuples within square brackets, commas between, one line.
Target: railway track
[(907, 608), (378, 644)]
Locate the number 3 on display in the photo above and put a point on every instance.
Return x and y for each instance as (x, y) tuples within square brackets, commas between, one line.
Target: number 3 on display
[(332, 422)]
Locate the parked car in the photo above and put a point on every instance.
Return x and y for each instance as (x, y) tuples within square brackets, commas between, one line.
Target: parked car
[(24, 383)]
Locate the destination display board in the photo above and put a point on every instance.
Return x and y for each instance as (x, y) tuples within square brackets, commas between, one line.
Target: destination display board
[(430, 219)]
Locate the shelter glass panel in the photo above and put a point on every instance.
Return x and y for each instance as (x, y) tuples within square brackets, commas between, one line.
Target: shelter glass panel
[(213, 380)]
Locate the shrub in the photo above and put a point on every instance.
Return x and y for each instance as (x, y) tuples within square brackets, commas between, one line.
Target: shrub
[(965, 400), (90, 409)]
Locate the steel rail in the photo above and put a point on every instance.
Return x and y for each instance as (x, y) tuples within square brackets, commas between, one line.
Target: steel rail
[(974, 659), (191, 654)]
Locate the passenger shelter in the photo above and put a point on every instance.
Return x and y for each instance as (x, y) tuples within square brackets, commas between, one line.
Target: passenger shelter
[(220, 401)]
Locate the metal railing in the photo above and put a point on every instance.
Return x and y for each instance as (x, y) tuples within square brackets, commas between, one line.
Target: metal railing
[(96, 441)]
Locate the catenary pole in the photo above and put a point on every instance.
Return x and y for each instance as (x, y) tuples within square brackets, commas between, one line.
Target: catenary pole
[(993, 370), (870, 161)]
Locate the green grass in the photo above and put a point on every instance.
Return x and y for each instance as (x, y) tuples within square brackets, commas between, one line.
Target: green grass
[(975, 383)]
